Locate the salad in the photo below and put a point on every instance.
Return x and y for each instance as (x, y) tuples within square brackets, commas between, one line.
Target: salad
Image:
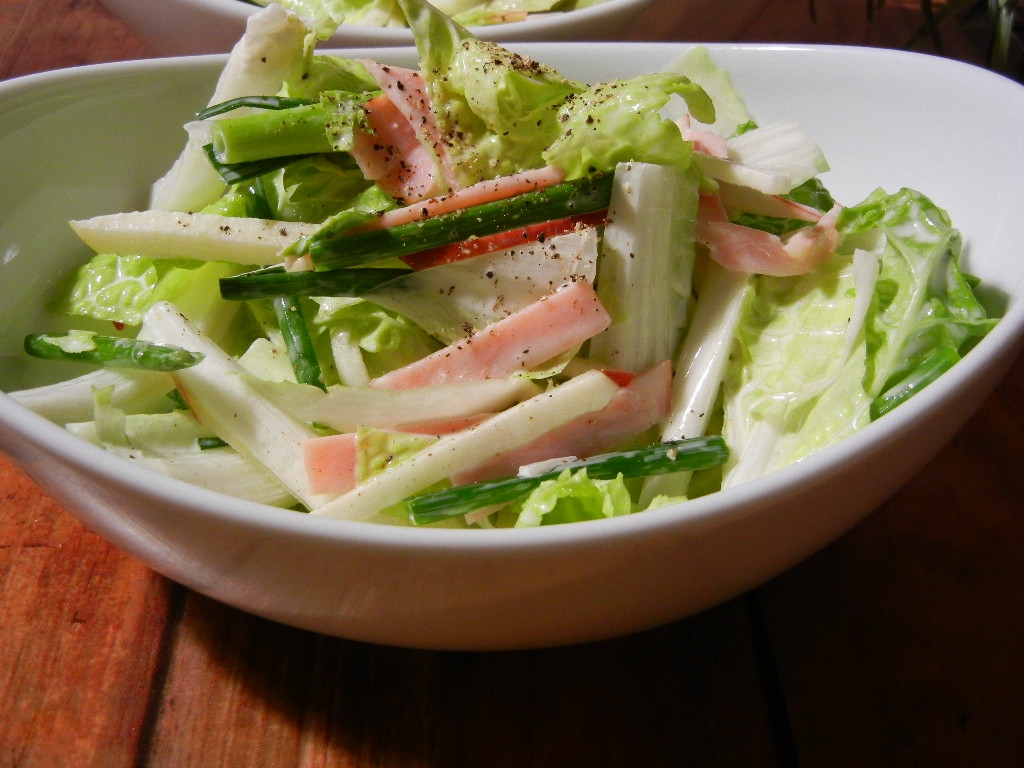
[(481, 293), (388, 13)]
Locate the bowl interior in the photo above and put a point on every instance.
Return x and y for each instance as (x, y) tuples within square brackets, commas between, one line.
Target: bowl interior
[(80, 143)]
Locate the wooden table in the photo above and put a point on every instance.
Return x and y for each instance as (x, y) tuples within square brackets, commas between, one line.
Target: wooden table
[(899, 645)]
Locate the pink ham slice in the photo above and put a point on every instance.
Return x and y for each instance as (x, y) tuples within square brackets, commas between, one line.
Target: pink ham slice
[(393, 156), (407, 90), (641, 404), (482, 192), (331, 463), (525, 339), (744, 249)]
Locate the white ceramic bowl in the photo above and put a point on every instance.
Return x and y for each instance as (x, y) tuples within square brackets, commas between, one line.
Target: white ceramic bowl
[(883, 118), (186, 27)]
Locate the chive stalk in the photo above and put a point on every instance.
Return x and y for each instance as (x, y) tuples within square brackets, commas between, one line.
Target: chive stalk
[(276, 281), (210, 443), (110, 351), (234, 173), (276, 133), (258, 102), (298, 341), (570, 198), (686, 455), (934, 366)]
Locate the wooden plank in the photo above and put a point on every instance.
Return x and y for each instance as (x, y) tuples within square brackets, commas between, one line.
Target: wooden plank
[(240, 686), (81, 629), (38, 35), (893, 25), (901, 644), (81, 624)]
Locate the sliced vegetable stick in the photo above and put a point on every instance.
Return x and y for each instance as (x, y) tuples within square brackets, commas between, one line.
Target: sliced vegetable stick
[(438, 427), (701, 362), (219, 394), (645, 272), (768, 181), (639, 405), (223, 470), (700, 367), (345, 409), (772, 159), (648, 461), (75, 399), (453, 453), (334, 249), (272, 48), (206, 236)]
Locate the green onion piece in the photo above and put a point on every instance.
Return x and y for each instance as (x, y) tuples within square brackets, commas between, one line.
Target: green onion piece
[(569, 198), (685, 455), (110, 351), (177, 400), (233, 173), (258, 102), (298, 341), (934, 366), (209, 443), (275, 281), (264, 135), (259, 199)]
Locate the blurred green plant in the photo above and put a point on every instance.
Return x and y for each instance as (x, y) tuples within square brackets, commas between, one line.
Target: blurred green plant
[(1001, 22), (996, 25), (999, 18)]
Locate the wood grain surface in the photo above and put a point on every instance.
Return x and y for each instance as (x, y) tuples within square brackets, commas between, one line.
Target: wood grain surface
[(899, 645)]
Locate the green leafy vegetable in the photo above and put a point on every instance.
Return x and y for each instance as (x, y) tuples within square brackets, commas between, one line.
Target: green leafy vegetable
[(573, 497), (506, 113), (923, 302), (122, 288)]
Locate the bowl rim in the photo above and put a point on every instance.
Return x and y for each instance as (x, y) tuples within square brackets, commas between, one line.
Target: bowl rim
[(997, 349), (240, 11)]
